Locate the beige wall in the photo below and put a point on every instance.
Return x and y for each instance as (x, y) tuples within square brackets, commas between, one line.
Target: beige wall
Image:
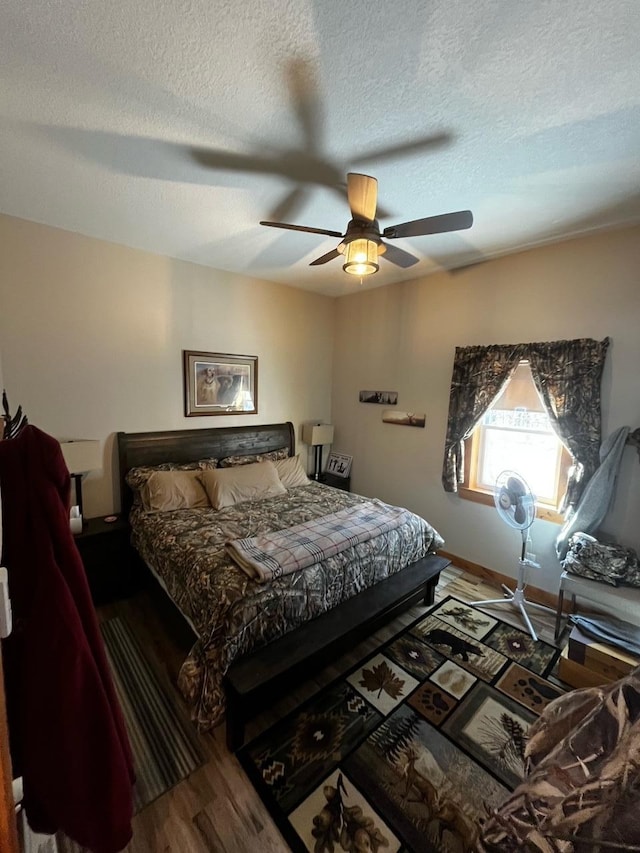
[(402, 338), (91, 338)]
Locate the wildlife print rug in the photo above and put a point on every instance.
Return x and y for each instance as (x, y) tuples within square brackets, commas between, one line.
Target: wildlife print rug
[(411, 749)]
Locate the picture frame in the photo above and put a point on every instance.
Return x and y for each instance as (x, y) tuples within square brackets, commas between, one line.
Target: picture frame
[(339, 464), (218, 383), (381, 398), (414, 419)]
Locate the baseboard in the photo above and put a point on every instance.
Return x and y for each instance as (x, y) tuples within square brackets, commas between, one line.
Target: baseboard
[(541, 596)]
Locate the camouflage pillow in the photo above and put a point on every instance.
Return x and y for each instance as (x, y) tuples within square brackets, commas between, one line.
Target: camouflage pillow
[(136, 478), (269, 456)]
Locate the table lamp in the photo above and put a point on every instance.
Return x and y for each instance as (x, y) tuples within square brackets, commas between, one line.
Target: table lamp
[(81, 456), (317, 435)]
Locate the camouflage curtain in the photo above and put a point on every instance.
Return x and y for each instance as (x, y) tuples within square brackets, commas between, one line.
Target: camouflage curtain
[(479, 374), (568, 375)]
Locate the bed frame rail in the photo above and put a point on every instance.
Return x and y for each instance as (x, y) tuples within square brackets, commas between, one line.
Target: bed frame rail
[(257, 680)]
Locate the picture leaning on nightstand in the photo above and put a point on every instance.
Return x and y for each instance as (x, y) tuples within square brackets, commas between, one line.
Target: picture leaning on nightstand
[(339, 464)]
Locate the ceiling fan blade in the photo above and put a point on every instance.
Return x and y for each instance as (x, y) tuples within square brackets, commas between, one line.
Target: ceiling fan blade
[(431, 225), (435, 141), (303, 228), (362, 192), (334, 253), (399, 257)]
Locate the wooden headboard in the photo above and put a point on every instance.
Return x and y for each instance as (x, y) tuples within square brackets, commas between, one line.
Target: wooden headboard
[(189, 445)]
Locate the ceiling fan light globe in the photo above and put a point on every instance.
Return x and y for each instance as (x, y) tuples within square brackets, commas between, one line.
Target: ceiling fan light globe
[(360, 269), (361, 257)]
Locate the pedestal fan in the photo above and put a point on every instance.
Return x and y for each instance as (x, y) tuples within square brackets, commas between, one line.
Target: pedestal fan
[(516, 505)]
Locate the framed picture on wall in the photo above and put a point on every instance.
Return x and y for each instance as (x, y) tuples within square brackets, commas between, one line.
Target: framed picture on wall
[(404, 418), (219, 384), (339, 464), (384, 398)]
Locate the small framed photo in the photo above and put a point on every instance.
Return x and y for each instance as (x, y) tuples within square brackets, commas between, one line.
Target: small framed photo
[(384, 398), (219, 384), (339, 464), (404, 418)]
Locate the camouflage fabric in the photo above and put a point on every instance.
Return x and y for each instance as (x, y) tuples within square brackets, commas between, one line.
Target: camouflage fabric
[(567, 377), (234, 614), (248, 459), (582, 789), (599, 561)]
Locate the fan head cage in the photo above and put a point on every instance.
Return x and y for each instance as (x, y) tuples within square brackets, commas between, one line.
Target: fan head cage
[(514, 500)]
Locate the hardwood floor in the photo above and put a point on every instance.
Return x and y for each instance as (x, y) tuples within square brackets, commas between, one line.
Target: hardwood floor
[(216, 808)]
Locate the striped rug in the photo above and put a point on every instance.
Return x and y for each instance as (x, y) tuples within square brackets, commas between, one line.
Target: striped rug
[(164, 742)]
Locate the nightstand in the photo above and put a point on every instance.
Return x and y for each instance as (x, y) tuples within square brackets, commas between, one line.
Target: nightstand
[(343, 483), (108, 558)]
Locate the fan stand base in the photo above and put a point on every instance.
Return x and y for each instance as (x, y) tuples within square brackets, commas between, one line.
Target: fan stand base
[(516, 598)]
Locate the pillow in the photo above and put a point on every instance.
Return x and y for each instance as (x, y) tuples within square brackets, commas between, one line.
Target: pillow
[(250, 459), (291, 472), (136, 478), (229, 486), (167, 490)]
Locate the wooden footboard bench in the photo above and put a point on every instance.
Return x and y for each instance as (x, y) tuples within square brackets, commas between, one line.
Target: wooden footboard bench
[(257, 680)]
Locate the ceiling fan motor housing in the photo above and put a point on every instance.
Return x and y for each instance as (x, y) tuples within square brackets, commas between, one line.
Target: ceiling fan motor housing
[(358, 229)]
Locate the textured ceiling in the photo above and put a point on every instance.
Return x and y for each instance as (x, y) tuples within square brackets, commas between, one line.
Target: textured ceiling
[(177, 126)]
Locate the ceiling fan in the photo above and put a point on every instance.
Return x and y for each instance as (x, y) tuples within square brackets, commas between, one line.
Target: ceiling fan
[(362, 244)]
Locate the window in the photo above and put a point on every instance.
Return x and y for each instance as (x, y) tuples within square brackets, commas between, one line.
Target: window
[(516, 434)]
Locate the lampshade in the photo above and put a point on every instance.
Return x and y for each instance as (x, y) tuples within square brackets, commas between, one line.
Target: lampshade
[(81, 455), (361, 257), (315, 434)]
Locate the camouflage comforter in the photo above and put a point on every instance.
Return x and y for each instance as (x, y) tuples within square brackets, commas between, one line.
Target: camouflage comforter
[(232, 613)]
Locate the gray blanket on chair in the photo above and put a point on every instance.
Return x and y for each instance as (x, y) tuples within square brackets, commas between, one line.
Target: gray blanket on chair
[(598, 493), (611, 631)]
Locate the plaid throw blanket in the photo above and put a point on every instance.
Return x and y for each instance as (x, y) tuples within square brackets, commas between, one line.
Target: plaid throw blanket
[(272, 555)]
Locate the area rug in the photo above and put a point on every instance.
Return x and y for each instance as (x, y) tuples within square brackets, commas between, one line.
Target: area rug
[(164, 742), (412, 748)]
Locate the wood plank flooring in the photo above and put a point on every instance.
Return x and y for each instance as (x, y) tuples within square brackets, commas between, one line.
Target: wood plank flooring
[(216, 808)]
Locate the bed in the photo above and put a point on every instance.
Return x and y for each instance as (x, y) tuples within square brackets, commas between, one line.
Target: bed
[(231, 613)]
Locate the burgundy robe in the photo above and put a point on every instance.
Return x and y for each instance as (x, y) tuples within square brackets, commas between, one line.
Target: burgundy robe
[(67, 733)]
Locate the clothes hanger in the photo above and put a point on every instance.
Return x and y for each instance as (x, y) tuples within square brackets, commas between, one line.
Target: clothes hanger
[(12, 425)]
